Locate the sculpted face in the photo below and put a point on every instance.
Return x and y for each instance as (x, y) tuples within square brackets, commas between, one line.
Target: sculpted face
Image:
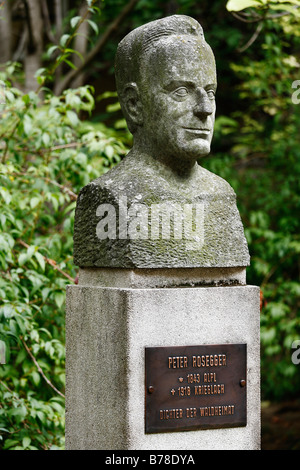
[(178, 98)]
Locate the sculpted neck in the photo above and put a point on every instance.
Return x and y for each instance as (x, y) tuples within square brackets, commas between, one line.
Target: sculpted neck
[(166, 164)]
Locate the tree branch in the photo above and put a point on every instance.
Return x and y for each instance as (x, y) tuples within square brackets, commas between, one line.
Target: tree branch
[(39, 368), (52, 263), (252, 39), (58, 19), (255, 18), (45, 13), (65, 82), (81, 44), (72, 195)]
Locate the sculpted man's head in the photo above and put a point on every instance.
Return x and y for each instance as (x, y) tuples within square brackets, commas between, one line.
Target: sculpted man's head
[(163, 209), (166, 81)]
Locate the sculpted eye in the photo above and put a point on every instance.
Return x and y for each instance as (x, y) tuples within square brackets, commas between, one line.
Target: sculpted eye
[(181, 92), (211, 94)]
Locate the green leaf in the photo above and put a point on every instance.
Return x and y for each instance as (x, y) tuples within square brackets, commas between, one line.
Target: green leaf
[(59, 298), (73, 66), (22, 259), (94, 26), (81, 158), (109, 151), (21, 356), (41, 417), (10, 443), (268, 335), (278, 310), (30, 250), (46, 138), (26, 442), (19, 413), (238, 5), (4, 430), (74, 21), (286, 7), (27, 123), (41, 80), (39, 72), (35, 377), (73, 118), (21, 323), (51, 50), (5, 194), (76, 52), (40, 260), (64, 39), (111, 108), (34, 202)]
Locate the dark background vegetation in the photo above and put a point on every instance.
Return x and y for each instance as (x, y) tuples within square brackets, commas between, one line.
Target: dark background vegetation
[(61, 126)]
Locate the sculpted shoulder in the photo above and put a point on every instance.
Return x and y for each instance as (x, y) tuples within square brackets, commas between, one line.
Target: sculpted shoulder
[(132, 178), (214, 184)]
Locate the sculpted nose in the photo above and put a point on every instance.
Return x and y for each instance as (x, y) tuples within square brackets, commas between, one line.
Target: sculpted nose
[(204, 105)]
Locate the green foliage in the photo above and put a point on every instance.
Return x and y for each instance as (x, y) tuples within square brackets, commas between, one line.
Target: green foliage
[(47, 155), (263, 165), (264, 5)]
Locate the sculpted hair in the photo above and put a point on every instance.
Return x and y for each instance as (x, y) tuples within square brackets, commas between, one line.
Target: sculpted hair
[(134, 47)]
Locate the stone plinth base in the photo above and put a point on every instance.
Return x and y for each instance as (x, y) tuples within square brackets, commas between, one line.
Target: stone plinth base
[(107, 332)]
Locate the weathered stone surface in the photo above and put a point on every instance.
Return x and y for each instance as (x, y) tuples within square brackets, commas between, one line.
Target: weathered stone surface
[(161, 277), (223, 238), (166, 79)]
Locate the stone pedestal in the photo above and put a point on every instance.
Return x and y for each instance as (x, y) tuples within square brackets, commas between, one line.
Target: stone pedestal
[(108, 329)]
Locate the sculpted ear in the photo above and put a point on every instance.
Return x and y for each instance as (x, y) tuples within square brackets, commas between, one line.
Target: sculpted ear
[(132, 103)]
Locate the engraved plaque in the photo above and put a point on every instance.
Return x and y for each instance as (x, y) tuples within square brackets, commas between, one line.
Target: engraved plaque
[(195, 387)]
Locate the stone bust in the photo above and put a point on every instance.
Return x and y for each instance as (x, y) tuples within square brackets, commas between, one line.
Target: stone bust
[(159, 208)]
